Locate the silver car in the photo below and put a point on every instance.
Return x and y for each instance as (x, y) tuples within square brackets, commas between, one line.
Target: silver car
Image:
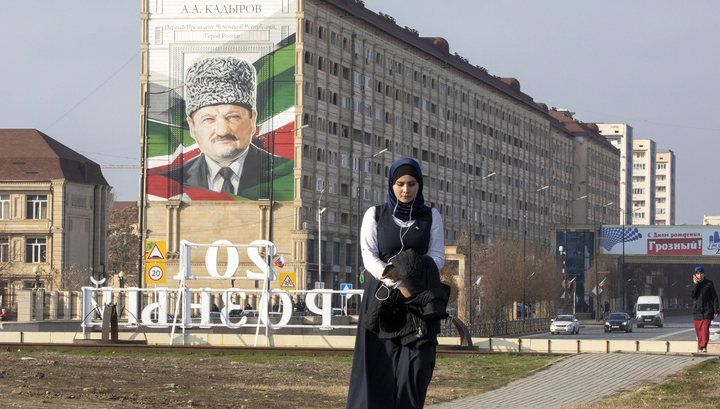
[(565, 324)]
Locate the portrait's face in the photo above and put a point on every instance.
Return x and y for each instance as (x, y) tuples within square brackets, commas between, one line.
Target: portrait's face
[(223, 132), (406, 188)]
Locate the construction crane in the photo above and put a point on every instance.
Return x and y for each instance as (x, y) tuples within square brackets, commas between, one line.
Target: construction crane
[(119, 166)]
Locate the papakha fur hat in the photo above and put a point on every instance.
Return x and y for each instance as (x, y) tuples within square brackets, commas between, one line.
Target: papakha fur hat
[(220, 80)]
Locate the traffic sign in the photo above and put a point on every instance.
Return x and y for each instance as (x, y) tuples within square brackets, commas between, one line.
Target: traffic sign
[(287, 281), (344, 288), (155, 251), (155, 273)]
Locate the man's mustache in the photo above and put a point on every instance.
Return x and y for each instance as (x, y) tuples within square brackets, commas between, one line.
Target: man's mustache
[(226, 136)]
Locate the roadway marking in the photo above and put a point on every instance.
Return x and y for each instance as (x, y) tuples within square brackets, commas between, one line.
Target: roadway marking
[(670, 334)]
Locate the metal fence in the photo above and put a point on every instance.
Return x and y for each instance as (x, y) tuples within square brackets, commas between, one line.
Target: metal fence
[(502, 328)]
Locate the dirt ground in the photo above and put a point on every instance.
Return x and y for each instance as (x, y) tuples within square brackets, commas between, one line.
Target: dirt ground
[(65, 380)]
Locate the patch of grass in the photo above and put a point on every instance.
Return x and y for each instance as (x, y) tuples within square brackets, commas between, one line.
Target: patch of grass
[(696, 387)]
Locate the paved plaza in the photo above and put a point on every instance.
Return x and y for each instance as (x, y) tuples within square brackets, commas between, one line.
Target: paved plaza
[(578, 379)]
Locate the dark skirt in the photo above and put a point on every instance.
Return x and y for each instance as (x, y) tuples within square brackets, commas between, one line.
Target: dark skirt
[(384, 373)]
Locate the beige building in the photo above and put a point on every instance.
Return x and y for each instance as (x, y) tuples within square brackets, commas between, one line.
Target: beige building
[(665, 188), (643, 181), (53, 215), (369, 92), (621, 137)]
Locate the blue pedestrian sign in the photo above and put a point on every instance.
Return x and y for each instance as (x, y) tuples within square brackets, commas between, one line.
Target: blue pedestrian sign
[(344, 288)]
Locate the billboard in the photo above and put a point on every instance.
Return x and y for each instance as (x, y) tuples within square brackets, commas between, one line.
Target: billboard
[(220, 103), (661, 240)]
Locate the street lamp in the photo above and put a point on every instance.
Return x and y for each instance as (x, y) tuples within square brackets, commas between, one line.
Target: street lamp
[(597, 285), (470, 239), (121, 278), (524, 239), (37, 271), (567, 215), (319, 220), (622, 267), (359, 222)]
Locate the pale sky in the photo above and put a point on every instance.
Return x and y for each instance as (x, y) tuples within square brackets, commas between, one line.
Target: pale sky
[(71, 69)]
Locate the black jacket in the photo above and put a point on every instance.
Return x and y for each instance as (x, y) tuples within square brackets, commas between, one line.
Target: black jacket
[(705, 300), (414, 321)]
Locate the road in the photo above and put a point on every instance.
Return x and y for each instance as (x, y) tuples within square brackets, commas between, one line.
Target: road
[(674, 329)]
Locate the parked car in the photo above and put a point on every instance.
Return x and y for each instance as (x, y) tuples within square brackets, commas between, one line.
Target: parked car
[(566, 324), (618, 321), (337, 312), (715, 330)]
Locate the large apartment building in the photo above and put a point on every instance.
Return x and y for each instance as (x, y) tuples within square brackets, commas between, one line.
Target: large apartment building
[(665, 188), (342, 92), (53, 216), (643, 181), (621, 137)]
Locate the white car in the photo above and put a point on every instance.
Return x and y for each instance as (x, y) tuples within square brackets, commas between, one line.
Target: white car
[(715, 330), (565, 324)]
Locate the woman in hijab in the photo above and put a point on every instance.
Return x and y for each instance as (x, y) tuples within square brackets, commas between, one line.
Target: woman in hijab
[(386, 374)]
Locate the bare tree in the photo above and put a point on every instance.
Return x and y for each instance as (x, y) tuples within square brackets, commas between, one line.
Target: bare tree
[(123, 244)]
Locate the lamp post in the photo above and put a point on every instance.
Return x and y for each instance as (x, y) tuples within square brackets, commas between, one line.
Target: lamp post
[(319, 220), (567, 215), (37, 271), (470, 240), (622, 267), (121, 279), (524, 239), (359, 222), (597, 285)]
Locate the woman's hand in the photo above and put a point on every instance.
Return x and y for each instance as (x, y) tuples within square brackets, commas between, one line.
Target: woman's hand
[(392, 274), (404, 291)]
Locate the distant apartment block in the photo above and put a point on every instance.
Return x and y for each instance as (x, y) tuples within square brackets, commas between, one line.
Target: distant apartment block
[(621, 136), (643, 181), (665, 188)]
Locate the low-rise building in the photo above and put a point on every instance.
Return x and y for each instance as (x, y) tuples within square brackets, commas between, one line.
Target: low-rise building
[(53, 215)]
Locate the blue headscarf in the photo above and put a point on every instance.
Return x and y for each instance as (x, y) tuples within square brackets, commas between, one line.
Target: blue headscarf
[(404, 210)]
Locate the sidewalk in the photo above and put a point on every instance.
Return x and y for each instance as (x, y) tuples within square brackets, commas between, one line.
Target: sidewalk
[(578, 379)]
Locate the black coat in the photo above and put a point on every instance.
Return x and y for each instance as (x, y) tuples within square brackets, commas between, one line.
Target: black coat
[(414, 321), (705, 300)]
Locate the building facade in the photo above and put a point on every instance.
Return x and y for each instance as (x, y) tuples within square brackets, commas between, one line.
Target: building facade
[(665, 188), (643, 181), (53, 215), (343, 92), (621, 136)]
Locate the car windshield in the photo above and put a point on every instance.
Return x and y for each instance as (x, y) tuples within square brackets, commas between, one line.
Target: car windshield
[(616, 316), (564, 318), (648, 307)]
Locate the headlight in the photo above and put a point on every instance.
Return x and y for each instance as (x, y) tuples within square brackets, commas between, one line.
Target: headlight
[(624, 322), (607, 323)]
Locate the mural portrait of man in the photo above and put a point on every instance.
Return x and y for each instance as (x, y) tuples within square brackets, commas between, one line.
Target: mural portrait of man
[(220, 102)]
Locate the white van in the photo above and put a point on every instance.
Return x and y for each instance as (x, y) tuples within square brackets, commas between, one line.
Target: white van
[(649, 311)]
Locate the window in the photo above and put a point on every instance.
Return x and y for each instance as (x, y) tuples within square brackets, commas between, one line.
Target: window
[(4, 250), (4, 206), (35, 250), (310, 250), (37, 207), (336, 254)]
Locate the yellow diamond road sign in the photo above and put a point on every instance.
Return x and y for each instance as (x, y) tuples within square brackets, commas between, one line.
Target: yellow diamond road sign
[(287, 281), (155, 251)]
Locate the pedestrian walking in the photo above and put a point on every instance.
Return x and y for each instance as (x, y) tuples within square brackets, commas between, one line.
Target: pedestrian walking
[(3, 316), (394, 371), (705, 306)]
